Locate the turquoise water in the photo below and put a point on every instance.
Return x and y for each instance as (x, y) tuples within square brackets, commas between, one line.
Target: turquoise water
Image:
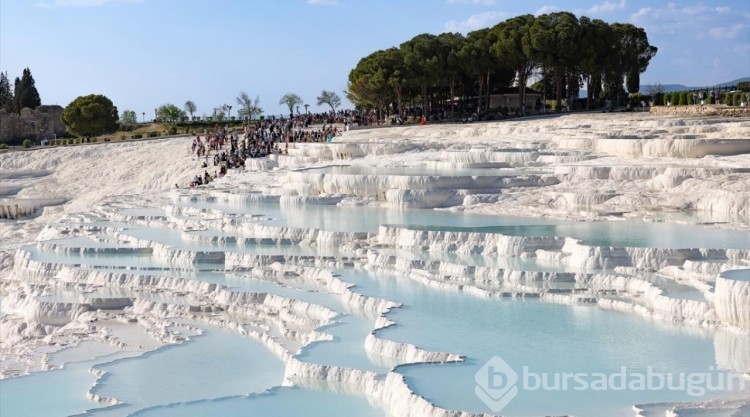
[(223, 373), (739, 275), (51, 394), (626, 233), (354, 218), (277, 402), (547, 338), (630, 232), (218, 363), (497, 171)]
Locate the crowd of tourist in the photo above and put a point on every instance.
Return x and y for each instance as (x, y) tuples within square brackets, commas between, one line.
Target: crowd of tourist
[(227, 149)]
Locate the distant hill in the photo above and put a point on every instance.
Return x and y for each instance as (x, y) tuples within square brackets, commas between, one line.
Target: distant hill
[(668, 88)]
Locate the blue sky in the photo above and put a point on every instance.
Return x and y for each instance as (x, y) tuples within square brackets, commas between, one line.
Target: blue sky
[(145, 53)]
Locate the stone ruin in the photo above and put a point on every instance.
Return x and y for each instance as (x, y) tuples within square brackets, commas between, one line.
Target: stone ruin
[(42, 123)]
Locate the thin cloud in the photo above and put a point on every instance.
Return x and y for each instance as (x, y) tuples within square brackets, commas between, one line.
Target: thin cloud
[(87, 3), (699, 21), (322, 2), (742, 49), (547, 8), (607, 7), (475, 2), (642, 14), (723, 33), (597, 9), (477, 21)]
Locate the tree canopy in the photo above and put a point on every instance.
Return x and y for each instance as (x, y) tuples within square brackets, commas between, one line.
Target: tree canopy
[(190, 108), (6, 94), (25, 93), (90, 115), (250, 107), (568, 52), (170, 113), (291, 100), (330, 98), (129, 118)]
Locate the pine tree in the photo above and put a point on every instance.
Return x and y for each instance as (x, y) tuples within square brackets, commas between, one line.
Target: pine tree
[(26, 94), (6, 95)]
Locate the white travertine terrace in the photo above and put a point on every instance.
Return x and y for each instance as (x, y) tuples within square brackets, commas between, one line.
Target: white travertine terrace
[(586, 167)]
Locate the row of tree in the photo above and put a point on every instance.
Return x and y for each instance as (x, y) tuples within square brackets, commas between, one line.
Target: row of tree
[(681, 98), (566, 51), (95, 114), (24, 93), (249, 108)]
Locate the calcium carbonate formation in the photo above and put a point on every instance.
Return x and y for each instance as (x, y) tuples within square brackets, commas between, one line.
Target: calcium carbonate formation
[(579, 168)]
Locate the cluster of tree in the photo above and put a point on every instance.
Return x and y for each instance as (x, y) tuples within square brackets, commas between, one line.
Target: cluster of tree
[(568, 52), (249, 108), (128, 119), (329, 98), (23, 95), (91, 115), (170, 113), (96, 114), (682, 98)]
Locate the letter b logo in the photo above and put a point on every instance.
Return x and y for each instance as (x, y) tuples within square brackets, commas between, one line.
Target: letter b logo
[(496, 384)]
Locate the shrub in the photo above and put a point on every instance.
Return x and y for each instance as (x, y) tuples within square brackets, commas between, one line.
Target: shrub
[(3, 145), (136, 136), (153, 134), (173, 130), (683, 98), (93, 140), (658, 99), (123, 137), (70, 141), (27, 143)]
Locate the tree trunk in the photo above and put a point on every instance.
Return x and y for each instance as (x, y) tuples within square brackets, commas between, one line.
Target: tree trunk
[(522, 87), (397, 91), (452, 88), (488, 90), (479, 96), (558, 89)]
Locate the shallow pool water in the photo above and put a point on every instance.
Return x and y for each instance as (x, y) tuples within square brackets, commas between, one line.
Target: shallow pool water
[(546, 338), (739, 274), (218, 363), (633, 232), (497, 171), (224, 373), (63, 391), (277, 402)]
